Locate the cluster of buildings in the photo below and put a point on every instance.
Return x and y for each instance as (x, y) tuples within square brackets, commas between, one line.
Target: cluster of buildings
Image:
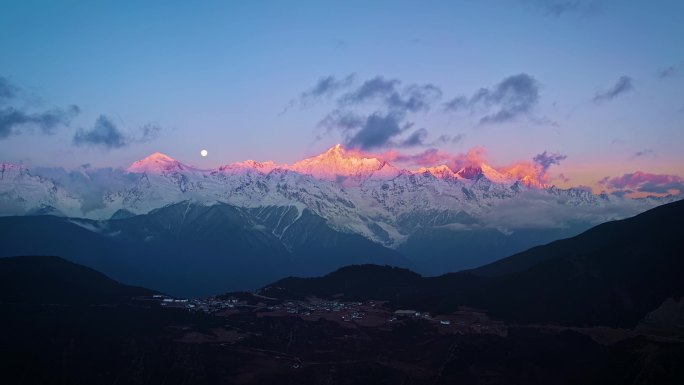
[(412, 314), (351, 310), (206, 305), (463, 321)]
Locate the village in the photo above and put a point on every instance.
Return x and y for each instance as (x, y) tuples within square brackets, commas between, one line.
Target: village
[(350, 314)]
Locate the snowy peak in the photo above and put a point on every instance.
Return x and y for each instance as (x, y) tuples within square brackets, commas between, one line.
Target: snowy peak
[(22, 193), (156, 163), (495, 176), (337, 161), (442, 172), (349, 166), (398, 202), (531, 181), (11, 171), (249, 165), (485, 171), (470, 172)]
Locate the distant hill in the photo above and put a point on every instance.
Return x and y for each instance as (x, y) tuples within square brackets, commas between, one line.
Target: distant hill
[(53, 280), (62, 323), (613, 274), (356, 282), (659, 225), (190, 249)]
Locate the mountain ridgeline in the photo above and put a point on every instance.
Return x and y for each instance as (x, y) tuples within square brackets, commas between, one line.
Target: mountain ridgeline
[(613, 274), (104, 332), (53, 280), (604, 307), (187, 249), (63, 323), (439, 218)]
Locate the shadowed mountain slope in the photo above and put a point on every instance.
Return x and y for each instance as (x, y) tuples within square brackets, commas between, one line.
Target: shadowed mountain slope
[(190, 249), (613, 274), (53, 280)]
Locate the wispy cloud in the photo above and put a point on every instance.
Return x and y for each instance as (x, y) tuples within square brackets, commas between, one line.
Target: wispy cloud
[(378, 87), (507, 100), (149, 132), (17, 120), (535, 209), (377, 130), (448, 139), (417, 138), (105, 133), (8, 90), (379, 112), (642, 153), (644, 182), (622, 86), (327, 86), (558, 8), (375, 114), (546, 160), (671, 71), (390, 94)]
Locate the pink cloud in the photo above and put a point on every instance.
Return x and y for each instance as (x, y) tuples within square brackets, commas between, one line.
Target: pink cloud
[(435, 157), (644, 182), (530, 172)]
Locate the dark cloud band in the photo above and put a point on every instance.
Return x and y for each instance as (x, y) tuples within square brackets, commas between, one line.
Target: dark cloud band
[(105, 133), (514, 96), (644, 182), (546, 160), (16, 121), (622, 86), (390, 104)]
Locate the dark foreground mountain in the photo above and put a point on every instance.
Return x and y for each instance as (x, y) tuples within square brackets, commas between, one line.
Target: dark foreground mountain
[(200, 249), (655, 231), (605, 307), (613, 274), (61, 323), (189, 249), (52, 280)]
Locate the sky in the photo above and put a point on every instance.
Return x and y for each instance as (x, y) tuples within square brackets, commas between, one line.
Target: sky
[(590, 90)]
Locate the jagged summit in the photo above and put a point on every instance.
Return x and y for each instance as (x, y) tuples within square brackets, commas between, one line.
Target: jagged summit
[(355, 192), (442, 171), (494, 175), (157, 157), (475, 172), (348, 166), (262, 167), (338, 161), (470, 172), (156, 163)]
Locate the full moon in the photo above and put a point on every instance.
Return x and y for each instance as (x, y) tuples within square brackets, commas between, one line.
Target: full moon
[(204, 152)]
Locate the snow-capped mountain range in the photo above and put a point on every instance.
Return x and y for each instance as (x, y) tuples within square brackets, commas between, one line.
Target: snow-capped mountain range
[(353, 192)]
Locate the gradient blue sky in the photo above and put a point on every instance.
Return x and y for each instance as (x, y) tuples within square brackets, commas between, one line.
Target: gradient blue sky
[(218, 75)]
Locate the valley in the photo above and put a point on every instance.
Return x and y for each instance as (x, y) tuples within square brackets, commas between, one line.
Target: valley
[(161, 223), (574, 311)]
